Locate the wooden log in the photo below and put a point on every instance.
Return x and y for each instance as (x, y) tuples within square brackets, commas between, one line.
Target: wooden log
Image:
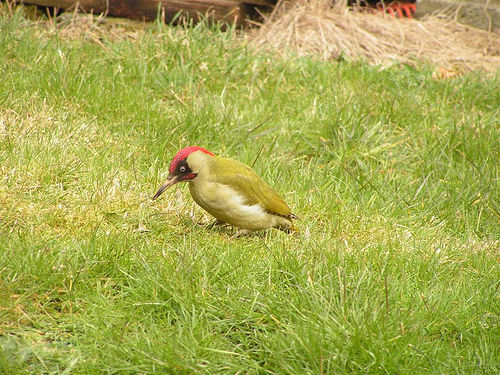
[(230, 11)]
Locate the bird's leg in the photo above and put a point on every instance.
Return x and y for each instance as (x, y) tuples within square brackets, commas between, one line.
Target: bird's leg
[(243, 232), (287, 229), (217, 223)]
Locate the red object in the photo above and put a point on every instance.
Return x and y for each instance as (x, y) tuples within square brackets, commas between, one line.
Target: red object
[(398, 9)]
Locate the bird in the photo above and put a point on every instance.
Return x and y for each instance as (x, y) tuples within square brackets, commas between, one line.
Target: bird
[(230, 191)]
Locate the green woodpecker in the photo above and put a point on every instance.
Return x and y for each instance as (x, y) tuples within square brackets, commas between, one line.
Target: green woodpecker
[(229, 190)]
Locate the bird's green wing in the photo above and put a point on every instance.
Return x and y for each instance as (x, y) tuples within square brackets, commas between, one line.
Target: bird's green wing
[(249, 185)]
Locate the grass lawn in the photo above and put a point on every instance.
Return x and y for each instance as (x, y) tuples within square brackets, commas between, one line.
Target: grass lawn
[(395, 176)]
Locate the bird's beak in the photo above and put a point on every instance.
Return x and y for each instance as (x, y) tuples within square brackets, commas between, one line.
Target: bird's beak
[(171, 180)]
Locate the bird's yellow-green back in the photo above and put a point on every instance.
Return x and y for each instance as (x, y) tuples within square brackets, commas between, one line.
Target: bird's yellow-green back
[(248, 184)]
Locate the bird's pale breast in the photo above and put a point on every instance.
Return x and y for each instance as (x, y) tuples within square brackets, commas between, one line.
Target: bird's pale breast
[(228, 206)]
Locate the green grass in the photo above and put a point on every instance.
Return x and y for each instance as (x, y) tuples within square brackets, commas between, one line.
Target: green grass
[(395, 176)]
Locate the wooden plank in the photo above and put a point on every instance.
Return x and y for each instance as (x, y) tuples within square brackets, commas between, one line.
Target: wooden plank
[(221, 10), (265, 3)]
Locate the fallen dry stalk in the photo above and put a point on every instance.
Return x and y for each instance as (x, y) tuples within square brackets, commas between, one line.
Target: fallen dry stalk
[(316, 27)]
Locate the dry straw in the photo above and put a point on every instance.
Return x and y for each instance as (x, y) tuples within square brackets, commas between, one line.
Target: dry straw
[(332, 32)]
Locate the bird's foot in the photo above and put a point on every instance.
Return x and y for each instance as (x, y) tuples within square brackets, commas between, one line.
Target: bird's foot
[(243, 232), (217, 223), (288, 230)]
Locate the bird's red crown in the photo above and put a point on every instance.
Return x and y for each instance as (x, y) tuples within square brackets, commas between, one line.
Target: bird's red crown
[(183, 154)]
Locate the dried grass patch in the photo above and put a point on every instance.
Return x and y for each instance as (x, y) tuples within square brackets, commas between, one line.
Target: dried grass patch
[(333, 32)]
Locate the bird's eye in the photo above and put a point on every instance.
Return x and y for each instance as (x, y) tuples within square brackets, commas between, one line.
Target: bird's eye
[(182, 169)]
